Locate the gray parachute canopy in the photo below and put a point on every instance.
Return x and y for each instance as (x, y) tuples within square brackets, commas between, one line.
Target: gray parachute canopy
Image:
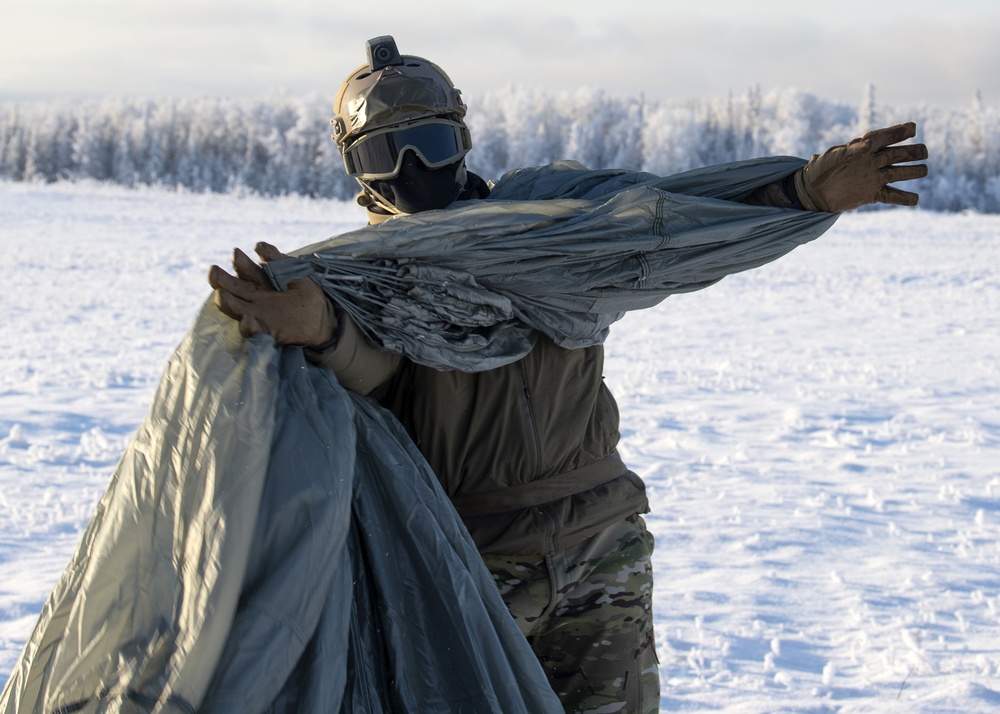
[(558, 250), (272, 542)]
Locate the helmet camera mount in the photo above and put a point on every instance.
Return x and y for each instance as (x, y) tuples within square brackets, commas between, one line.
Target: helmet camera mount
[(382, 53)]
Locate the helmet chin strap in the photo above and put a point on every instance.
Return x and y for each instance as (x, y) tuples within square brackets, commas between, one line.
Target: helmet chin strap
[(370, 196)]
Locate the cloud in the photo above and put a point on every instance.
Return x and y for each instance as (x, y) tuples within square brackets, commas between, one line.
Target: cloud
[(256, 46)]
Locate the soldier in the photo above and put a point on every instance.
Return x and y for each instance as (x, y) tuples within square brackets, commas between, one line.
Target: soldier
[(527, 451)]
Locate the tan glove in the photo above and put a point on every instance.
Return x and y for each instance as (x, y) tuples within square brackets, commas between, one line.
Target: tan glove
[(301, 315), (858, 173)]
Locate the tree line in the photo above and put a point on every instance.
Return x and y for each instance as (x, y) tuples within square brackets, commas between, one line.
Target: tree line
[(281, 145)]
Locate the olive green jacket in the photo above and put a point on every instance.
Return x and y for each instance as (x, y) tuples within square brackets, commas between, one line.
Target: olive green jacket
[(526, 451)]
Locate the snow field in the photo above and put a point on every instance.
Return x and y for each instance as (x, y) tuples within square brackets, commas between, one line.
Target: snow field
[(819, 437), (820, 441)]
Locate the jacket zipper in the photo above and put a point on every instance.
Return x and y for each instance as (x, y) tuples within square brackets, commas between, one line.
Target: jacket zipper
[(534, 443), (535, 446), (550, 529)]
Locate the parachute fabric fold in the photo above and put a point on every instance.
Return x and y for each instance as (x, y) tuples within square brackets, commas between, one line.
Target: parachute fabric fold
[(469, 287), (142, 612), (452, 645), (271, 542)]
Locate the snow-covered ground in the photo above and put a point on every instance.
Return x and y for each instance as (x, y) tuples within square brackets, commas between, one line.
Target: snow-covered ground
[(820, 437)]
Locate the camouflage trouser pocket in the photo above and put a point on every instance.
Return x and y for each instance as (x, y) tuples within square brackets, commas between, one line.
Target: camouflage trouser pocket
[(587, 613)]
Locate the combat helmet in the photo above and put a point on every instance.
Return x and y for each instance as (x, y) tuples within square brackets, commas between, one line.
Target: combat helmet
[(392, 89), (396, 119)]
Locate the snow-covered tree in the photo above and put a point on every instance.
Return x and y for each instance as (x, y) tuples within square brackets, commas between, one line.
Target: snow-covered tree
[(279, 145), (868, 113)]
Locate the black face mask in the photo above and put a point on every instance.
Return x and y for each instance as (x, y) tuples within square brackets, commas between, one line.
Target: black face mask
[(418, 188)]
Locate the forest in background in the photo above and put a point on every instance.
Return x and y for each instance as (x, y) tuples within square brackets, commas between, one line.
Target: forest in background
[(281, 145)]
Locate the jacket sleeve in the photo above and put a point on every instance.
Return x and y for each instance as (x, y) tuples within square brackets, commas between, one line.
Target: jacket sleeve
[(359, 366), (779, 194)]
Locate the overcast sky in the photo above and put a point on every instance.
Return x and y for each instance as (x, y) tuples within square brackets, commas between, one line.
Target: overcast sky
[(938, 52)]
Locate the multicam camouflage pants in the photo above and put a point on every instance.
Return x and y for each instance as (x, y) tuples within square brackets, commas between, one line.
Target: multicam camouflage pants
[(587, 613)]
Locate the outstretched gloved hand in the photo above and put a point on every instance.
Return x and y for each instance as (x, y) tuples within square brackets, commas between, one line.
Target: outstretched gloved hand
[(858, 173), (301, 315)]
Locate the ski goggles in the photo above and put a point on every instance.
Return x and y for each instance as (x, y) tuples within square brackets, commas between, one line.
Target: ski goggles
[(379, 154)]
